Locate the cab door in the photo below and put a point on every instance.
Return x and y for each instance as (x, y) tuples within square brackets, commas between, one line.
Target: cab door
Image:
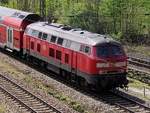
[(9, 37)]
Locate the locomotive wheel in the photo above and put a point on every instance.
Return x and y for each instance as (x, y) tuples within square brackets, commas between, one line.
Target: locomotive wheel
[(83, 84)]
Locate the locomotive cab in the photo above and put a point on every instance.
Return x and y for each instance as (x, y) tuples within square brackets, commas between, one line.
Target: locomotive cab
[(110, 65)]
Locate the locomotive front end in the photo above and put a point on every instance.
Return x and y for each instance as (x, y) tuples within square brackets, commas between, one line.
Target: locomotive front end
[(110, 65)]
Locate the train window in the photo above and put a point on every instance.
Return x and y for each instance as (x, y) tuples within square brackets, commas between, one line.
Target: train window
[(44, 37), (103, 51), (1, 19), (38, 47), (21, 16), (34, 33), (87, 50), (53, 39), (32, 45), (15, 14), (40, 35), (68, 44), (60, 41), (58, 55), (116, 50), (66, 58), (109, 50), (51, 52)]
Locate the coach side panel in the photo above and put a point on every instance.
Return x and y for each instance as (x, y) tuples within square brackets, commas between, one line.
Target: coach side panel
[(2, 36)]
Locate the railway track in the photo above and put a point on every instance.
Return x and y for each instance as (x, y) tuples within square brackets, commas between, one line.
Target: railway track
[(139, 62), (26, 100), (114, 98), (125, 103), (140, 68)]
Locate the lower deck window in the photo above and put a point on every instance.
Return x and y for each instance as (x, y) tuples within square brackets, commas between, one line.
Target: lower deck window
[(32, 45), (38, 47), (51, 52), (58, 55), (66, 58)]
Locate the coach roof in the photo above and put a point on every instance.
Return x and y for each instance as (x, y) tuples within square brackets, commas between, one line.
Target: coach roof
[(77, 35), (9, 12)]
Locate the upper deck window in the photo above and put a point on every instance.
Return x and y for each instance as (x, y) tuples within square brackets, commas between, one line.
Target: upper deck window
[(21, 16), (16, 14), (1, 19)]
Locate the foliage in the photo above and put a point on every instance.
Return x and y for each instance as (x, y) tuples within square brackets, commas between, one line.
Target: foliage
[(130, 18)]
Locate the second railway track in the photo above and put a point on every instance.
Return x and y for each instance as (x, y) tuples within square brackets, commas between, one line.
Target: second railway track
[(26, 100), (122, 103), (125, 103), (139, 62)]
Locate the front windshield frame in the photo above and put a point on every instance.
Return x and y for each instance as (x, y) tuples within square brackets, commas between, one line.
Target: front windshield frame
[(109, 50)]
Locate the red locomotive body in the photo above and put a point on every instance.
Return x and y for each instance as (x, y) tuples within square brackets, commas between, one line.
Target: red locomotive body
[(92, 58), (84, 57)]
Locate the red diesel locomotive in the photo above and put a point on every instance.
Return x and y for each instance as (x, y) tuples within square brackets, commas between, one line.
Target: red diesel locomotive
[(84, 57)]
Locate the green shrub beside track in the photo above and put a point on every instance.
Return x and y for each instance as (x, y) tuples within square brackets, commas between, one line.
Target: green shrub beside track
[(141, 76)]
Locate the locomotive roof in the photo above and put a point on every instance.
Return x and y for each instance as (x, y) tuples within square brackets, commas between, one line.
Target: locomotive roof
[(77, 35)]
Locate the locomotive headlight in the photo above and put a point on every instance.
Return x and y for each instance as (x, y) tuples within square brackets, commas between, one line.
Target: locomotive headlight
[(120, 64), (102, 65)]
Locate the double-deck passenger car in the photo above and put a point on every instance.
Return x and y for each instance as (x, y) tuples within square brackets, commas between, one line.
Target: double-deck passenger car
[(12, 25)]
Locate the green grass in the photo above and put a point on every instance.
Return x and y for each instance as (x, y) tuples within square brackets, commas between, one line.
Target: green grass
[(56, 94), (2, 108), (144, 50), (137, 84)]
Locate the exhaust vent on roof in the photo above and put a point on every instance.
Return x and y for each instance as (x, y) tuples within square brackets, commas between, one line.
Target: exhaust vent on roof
[(81, 32), (67, 28), (55, 25)]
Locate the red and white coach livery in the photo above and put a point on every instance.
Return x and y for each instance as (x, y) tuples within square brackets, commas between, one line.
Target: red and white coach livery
[(89, 57), (86, 58), (12, 26)]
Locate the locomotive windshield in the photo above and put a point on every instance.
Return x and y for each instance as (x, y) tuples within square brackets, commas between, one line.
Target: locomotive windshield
[(109, 50)]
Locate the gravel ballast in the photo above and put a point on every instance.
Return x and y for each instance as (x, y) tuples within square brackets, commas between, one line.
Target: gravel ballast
[(18, 71)]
